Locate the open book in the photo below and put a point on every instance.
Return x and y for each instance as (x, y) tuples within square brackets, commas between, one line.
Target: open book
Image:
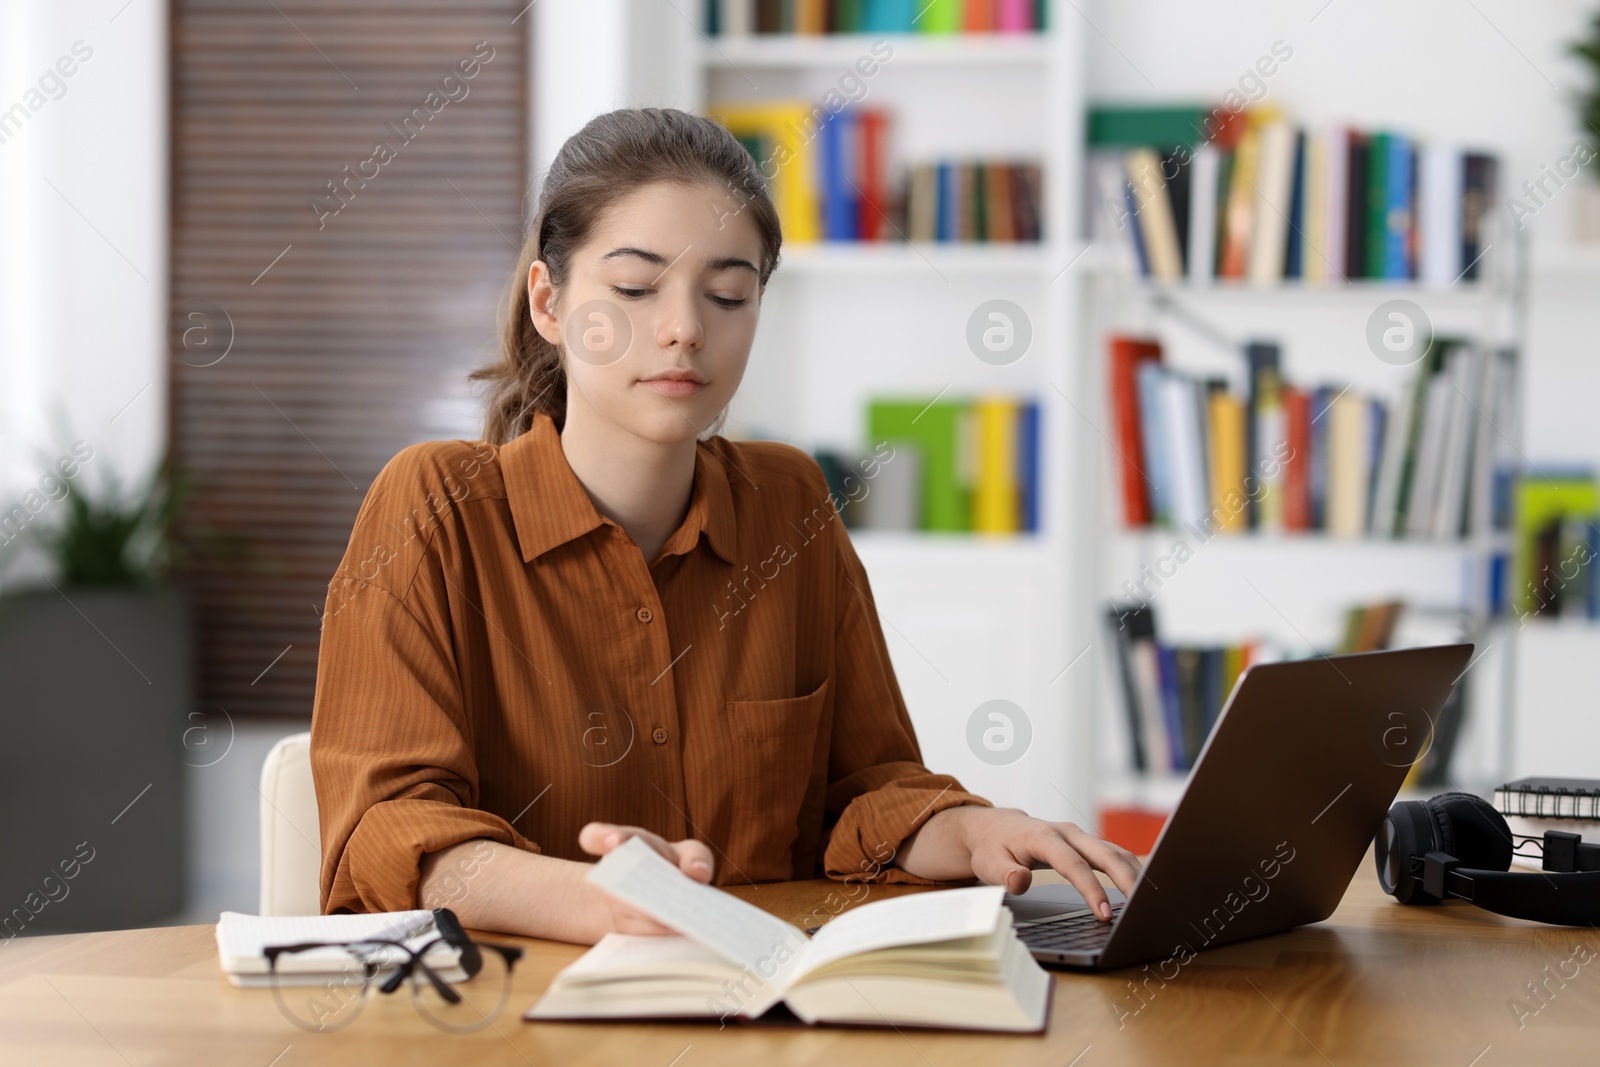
[(942, 959)]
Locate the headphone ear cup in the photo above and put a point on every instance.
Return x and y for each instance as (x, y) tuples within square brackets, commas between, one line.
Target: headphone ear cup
[(1469, 829), (1408, 832)]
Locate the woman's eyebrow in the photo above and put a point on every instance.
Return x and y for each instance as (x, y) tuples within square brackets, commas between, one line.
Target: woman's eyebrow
[(657, 259), (731, 263), (639, 253)]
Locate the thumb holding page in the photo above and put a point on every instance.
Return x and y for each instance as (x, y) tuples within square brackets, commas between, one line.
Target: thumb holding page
[(765, 947)]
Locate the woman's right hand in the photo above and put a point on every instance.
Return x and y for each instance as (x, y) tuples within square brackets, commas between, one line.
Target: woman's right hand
[(691, 857)]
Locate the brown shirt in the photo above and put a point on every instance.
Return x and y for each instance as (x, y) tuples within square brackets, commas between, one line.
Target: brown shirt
[(498, 661)]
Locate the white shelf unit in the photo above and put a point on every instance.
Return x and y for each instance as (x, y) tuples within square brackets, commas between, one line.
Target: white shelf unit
[(967, 618), (1299, 584)]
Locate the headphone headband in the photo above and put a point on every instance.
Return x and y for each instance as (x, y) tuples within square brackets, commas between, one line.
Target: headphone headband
[(1559, 899)]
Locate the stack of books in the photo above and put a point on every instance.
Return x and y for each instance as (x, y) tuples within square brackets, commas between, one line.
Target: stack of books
[(740, 18), (951, 465), (1196, 454), (1249, 196)]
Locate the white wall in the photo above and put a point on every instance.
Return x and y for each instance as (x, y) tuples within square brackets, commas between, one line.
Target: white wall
[(83, 237)]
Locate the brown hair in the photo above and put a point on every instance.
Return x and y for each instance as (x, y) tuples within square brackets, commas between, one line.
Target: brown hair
[(614, 154)]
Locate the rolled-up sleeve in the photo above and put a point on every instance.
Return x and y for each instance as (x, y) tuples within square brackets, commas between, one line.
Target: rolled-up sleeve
[(878, 786), (391, 743)]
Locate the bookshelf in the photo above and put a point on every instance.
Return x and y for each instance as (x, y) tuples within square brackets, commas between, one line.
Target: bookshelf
[(970, 619), (1290, 588)]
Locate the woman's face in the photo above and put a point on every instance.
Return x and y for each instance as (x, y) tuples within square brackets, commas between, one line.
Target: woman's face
[(659, 311)]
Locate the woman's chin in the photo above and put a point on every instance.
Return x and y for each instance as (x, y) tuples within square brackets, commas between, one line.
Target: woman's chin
[(668, 422)]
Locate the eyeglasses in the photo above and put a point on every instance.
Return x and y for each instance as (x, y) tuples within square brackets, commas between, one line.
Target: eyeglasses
[(457, 984)]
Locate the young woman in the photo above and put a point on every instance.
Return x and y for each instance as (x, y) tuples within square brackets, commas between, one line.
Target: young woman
[(603, 620)]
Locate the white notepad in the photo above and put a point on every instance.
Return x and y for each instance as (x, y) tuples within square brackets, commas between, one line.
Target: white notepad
[(241, 939)]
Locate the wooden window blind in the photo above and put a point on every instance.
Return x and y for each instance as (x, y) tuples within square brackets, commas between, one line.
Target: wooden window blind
[(348, 198)]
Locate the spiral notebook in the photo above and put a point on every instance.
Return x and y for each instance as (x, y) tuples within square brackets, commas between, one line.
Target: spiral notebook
[(1550, 798), (242, 937)]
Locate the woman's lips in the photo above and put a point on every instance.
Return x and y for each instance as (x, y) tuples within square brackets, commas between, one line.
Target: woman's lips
[(673, 387)]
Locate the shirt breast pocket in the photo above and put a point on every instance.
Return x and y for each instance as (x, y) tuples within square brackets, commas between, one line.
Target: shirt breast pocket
[(778, 750), (786, 718)]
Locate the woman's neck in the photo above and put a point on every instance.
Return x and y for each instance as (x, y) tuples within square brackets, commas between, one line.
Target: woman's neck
[(641, 485)]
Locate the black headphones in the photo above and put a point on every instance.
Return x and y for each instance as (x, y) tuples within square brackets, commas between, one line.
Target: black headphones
[(1457, 845)]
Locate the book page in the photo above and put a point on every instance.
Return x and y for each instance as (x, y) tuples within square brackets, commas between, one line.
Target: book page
[(909, 920), (765, 947)]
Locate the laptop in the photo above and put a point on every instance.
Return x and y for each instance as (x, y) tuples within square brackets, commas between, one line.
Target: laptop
[(1303, 763)]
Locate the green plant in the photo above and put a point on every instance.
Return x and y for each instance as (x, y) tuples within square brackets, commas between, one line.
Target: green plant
[(117, 538), (107, 535), (1588, 49)]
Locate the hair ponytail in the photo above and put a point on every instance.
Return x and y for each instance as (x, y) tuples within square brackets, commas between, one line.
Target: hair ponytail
[(614, 154)]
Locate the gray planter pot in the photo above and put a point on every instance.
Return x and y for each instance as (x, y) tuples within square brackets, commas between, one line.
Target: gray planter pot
[(96, 683)]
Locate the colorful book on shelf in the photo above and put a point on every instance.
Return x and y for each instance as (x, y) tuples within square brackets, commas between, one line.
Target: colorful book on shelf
[(1295, 248), (996, 495), (942, 16), (839, 162), (873, 175), (1205, 179), (1127, 353), (1272, 195), (1263, 433), (784, 132), (1133, 630), (1153, 205), (938, 429), (1238, 212), (1297, 461), (1359, 158), (1153, 440), (1479, 192), (1229, 494), (978, 467)]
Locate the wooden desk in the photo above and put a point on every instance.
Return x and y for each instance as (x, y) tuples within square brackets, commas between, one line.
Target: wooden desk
[(1374, 984)]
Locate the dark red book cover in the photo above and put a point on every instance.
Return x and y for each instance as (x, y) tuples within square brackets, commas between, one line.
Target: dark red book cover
[(874, 199), (1126, 355), (1297, 466)]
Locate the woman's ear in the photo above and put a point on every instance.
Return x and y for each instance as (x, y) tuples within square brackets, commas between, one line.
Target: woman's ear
[(542, 302)]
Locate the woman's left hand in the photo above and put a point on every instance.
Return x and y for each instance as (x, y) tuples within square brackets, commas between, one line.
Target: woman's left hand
[(1004, 846)]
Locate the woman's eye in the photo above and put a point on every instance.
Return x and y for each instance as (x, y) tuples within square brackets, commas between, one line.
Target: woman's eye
[(631, 294), (728, 301)]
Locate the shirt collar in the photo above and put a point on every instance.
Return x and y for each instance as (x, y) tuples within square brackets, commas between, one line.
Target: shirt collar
[(550, 507)]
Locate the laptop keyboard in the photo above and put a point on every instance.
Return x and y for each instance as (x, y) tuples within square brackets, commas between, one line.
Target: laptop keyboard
[(1072, 933)]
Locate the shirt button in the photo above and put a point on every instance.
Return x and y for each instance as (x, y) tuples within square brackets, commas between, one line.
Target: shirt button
[(645, 614), (659, 735)]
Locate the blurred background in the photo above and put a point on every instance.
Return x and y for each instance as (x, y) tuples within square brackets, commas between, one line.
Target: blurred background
[(1205, 334)]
